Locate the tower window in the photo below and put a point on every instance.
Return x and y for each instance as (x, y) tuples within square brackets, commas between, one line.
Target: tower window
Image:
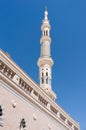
[(46, 32), (22, 124), (47, 80), (42, 80), (46, 73), (42, 74)]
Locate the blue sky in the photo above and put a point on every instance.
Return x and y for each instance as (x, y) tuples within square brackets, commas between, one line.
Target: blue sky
[(20, 22)]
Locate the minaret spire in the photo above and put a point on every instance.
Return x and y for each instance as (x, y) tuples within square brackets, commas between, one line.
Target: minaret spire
[(46, 13), (45, 61)]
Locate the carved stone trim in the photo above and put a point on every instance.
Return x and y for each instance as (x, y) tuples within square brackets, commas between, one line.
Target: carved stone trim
[(6, 70), (62, 117), (53, 110), (42, 100), (25, 86)]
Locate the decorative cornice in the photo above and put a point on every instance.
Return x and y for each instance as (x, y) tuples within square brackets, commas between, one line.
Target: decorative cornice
[(45, 25)]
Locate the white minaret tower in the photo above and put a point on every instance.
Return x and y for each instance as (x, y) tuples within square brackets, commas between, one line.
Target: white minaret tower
[(45, 61)]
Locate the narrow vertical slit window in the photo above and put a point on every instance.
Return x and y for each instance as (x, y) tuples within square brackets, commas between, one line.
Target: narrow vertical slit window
[(42, 74), (42, 80), (1, 115), (46, 32), (1, 111), (46, 73), (47, 80)]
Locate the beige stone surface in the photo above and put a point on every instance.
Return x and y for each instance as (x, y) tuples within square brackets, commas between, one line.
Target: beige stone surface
[(34, 116)]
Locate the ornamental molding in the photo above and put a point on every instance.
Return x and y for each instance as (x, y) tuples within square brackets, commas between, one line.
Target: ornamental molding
[(45, 38)]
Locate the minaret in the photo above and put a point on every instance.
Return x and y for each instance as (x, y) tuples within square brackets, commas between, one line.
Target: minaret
[(45, 61)]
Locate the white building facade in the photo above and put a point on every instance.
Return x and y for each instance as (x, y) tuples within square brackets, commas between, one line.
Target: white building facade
[(23, 104)]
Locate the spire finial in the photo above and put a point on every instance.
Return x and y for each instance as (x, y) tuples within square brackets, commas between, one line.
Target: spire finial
[(45, 8), (46, 13)]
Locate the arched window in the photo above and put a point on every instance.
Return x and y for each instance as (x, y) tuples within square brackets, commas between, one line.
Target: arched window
[(46, 73), (46, 32), (22, 125), (42, 80), (42, 74)]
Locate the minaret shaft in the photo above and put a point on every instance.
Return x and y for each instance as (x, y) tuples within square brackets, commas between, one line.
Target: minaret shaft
[(45, 49), (45, 61)]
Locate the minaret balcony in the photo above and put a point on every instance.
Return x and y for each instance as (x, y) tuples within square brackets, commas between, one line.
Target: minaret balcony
[(45, 25), (45, 60), (45, 38)]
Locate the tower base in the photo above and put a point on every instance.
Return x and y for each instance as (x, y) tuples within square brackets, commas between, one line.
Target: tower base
[(50, 93)]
